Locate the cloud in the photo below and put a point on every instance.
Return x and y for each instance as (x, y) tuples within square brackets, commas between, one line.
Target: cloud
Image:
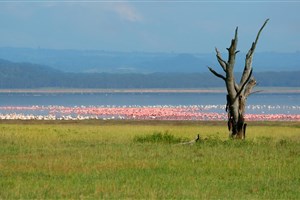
[(127, 12)]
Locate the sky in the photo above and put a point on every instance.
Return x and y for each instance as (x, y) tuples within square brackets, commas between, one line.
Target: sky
[(149, 26)]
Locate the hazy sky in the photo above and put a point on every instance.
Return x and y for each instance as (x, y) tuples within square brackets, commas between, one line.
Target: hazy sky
[(151, 26)]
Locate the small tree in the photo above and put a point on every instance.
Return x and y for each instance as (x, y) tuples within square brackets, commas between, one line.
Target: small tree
[(237, 93)]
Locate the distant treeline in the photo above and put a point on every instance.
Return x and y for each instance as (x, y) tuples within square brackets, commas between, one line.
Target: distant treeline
[(24, 75)]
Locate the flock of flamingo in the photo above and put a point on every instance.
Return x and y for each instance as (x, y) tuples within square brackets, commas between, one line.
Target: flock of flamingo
[(159, 112)]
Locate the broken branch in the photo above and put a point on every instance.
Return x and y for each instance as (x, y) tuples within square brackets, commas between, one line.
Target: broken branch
[(216, 73), (220, 60)]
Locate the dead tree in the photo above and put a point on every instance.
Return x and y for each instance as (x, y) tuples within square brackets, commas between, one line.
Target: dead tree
[(237, 93)]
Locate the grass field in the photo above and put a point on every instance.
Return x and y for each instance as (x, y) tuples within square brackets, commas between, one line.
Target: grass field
[(98, 159)]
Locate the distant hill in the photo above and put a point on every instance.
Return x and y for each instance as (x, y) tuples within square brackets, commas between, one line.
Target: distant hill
[(27, 75), (142, 62)]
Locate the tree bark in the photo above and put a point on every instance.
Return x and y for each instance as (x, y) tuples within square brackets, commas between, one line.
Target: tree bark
[(237, 93)]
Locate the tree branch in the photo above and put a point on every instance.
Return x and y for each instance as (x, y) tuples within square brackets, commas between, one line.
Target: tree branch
[(230, 80), (236, 87), (258, 91), (220, 60), (243, 86), (257, 37), (233, 46), (249, 56), (249, 87), (216, 73)]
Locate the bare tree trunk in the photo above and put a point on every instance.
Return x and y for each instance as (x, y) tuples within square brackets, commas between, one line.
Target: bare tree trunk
[(237, 93)]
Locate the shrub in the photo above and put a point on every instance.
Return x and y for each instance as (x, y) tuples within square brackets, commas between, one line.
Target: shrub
[(158, 137)]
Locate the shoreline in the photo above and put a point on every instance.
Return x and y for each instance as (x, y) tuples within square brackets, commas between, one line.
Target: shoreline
[(201, 113), (271, 90), (97, 122)]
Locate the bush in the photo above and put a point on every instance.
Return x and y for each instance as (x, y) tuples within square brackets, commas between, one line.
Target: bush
[(158, 137)]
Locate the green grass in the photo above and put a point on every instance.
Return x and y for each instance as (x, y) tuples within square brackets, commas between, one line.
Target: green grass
[(117, 160)]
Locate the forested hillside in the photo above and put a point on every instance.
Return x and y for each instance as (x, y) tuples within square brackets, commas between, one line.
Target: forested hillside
[(26, 75)]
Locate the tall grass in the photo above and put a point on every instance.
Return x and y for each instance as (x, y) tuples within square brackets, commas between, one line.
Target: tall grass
[(108, 161)]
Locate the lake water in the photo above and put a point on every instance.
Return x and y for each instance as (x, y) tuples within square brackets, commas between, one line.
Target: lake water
[(257, 103)]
